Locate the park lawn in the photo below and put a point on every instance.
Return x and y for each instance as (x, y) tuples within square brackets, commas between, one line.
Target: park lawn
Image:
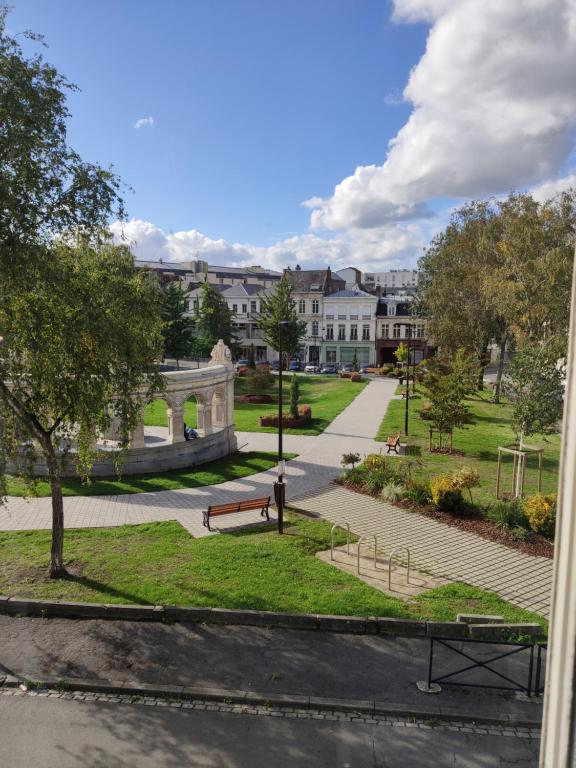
[(161, 564), (327, 396), (212, 473), (479, 442)]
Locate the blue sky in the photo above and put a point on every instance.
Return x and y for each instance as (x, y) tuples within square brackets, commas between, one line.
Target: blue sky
[(258, 106)]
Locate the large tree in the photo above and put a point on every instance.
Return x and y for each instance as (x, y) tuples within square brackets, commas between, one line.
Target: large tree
[(214, 321), (178, 328), (279, 306), (79, 348)]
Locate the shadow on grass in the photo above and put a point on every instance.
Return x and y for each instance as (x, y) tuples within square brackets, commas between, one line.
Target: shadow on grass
[(106, 589)]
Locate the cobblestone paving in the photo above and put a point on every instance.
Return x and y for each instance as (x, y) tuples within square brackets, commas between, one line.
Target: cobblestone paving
[(444, 551), (286, 712)]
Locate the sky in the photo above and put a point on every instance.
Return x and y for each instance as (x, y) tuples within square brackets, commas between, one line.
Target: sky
[(317, 132)]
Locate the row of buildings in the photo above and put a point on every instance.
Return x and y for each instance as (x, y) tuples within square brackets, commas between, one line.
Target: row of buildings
[(348, 314)]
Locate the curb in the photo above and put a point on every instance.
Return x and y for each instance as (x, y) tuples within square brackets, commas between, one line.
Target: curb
[(367, 625), (252, 698)]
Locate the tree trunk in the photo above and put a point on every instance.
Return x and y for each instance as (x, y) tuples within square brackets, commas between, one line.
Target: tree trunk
[(498, 383), (57, 570)]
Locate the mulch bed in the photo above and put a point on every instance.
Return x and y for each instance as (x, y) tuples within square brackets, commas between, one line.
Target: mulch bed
[(256, 399), (534, 544)]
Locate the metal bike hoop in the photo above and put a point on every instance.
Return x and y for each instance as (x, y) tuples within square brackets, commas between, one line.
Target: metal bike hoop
[(339, 525), (392, 553)]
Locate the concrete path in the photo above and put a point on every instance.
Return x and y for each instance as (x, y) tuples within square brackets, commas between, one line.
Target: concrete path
[(444, 551), (318, 463)]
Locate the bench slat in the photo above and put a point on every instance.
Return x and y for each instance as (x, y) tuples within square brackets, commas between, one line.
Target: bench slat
[(238, 506)]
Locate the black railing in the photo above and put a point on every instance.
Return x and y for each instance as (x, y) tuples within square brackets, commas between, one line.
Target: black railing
[(532, 675)]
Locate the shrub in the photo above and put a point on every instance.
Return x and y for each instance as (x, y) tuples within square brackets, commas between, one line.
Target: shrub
[(540, 512), (467, 478), (374, 480), (418, 493), (386, 369), (392, 492), (350, 458), (507, 514), (352, 477), (375, 461), (446, 495), (425, 412)]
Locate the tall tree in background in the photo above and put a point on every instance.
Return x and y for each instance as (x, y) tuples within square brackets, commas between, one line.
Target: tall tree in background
[(214, 321), (450, 289), (80, 346), (280, 306), (178, 328)]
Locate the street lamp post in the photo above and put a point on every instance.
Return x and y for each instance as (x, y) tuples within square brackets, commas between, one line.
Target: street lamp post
[(409, 328), (280, 486)]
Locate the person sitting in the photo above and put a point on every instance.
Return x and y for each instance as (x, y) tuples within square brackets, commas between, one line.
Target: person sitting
[(189, 433)]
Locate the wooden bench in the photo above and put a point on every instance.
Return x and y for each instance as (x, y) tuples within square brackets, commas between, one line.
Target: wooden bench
[(237, 506), (393, 443)]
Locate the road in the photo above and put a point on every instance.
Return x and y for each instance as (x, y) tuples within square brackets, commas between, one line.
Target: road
[(60, 733)]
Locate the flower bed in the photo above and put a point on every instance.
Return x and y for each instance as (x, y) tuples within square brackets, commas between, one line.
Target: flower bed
[(255, 399), (288, 421)]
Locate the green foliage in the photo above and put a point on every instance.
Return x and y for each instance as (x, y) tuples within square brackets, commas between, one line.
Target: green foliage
[(178, 330), (355, 361), (214, 321), (294, 396), (534, 384), (277, 307), (350, 458), (391, 492), (419, 493), (401, 354), (446, 495), (448, 382), (540, 512), (507, 514), (258, 381), (467, 478)]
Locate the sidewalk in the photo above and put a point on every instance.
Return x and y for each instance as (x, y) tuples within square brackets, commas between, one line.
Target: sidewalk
[(317, 465), (247, 658)]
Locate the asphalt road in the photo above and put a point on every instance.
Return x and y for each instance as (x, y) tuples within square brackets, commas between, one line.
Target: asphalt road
[(56, 733)]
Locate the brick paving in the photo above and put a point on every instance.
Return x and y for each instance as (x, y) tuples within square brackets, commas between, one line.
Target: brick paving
[(439, 549)]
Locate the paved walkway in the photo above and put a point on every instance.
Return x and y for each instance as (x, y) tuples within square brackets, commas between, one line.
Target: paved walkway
[(317, 465), (444, 551)]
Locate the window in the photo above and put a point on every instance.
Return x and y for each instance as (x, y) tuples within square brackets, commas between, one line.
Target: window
[(330, 332), (420, 332), (315, 328), (365, 333), (341, 315), (315, 306), (253, 306), (302, 306), (244, 308), (341, 333), (391, 309), (386, 331), (234, 307), (396, 330), (354, 316), (353, 333), (330, 355)]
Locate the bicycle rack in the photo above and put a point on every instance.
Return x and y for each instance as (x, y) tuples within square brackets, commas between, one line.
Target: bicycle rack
[(365, 537), (392, 553), (338, 525)]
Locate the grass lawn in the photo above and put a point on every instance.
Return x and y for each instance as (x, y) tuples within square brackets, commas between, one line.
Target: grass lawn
[(479, 442), (327, 396), (214, 472), (160, 563)]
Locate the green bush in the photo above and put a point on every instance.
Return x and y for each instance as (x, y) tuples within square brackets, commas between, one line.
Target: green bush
[(418, 493), (374, 481), (425, 412), (392, 492), (508, 514)]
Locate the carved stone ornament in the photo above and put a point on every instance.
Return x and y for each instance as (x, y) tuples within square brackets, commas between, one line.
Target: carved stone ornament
[(221, 355)]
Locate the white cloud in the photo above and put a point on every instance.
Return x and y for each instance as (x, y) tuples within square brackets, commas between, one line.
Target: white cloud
[(371, 250), (144, 122), (494, 108), (550, 188)]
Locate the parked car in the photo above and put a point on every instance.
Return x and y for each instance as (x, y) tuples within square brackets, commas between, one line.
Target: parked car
[(275, 365), (262, 365), (311, 368), (329, 368), (346, 367), (294, 365), (241, 364)]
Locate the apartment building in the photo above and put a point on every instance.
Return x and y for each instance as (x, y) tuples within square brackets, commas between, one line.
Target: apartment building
[(395, 324), (192, 273), (310, 288), (349, 327), (394, 281)]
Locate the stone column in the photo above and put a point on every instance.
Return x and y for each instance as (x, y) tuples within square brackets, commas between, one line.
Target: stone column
[(175, 413), (205, 413), (219, 410), (137, 434)]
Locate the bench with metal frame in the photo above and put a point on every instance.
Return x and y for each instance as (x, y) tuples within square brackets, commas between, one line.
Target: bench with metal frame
[(393, 443), (214, 510)]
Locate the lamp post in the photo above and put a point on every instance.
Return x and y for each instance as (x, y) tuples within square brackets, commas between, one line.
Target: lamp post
[(409, 329), (279, 485)]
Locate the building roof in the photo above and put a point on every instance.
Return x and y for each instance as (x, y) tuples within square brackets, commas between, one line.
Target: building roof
[(314, 280), (242, 290), (350, 294)]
